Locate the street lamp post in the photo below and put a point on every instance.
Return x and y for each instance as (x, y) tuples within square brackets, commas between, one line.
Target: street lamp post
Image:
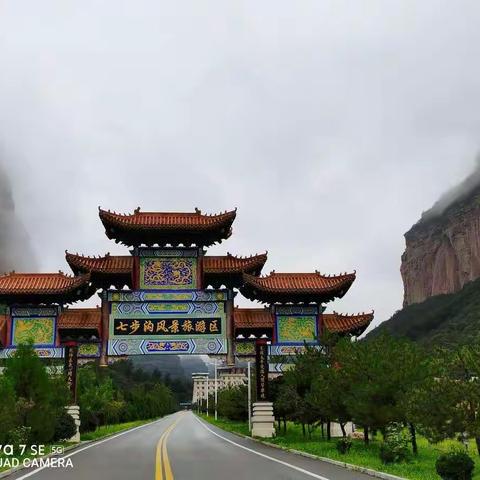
[(208, 390), (216, 389), (249, 397)]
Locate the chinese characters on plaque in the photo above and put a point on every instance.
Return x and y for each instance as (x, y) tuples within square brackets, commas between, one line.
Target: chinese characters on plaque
[(71, 353), (262, 370), (169, 326)]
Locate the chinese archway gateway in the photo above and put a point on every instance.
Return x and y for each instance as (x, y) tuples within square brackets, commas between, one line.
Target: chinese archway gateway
[(167, 296)]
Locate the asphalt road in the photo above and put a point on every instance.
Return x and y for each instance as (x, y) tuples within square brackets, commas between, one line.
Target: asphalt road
[(182, 447)]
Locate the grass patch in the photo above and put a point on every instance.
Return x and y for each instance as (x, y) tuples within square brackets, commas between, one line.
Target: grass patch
[(106, 430), (228, 425), (421, 467)]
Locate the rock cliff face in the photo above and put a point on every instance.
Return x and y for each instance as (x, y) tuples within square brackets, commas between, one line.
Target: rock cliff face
[(443, 248)]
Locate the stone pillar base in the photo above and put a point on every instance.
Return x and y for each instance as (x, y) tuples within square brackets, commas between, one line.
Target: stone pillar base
[(74, 412), (336, 430), (263, 421)]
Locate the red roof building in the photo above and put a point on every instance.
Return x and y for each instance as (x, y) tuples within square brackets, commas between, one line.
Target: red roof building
[(296, 287), (284, 292), (342, 324), (162, 228), (81, 324), (118, 270), (255, 320), (44, 288)]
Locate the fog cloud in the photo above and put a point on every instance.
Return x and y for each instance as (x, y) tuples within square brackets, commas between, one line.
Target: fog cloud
[(331, 125), (458, 193)]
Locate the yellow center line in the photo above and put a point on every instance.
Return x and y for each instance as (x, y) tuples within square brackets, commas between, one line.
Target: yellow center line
[(162, 452)]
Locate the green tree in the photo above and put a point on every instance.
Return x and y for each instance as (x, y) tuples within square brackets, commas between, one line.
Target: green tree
[(8, 419), (380, 374), (285, 404), (448, 403), (303, 405), (232, 403), (40, 398)]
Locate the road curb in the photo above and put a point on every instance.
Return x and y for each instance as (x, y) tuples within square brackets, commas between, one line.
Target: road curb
[(348, 466), (7, 473)]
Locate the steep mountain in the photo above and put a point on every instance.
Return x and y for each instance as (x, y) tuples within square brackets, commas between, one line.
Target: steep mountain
[(443, 320), (443, 249)]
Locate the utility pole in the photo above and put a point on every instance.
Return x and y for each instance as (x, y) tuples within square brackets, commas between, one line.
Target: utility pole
[(249, 382)]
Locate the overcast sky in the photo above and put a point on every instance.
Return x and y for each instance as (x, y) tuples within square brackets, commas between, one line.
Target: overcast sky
[(331, 125)]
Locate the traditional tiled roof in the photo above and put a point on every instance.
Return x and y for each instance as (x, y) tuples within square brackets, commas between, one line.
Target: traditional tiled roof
[(253, 318), (297, 287), (105, 271), (117, 269), (228, 270), (163, 228), (107, 264), (44, 287), (261, 318), (341, 323), (80, 318), (231, 263)]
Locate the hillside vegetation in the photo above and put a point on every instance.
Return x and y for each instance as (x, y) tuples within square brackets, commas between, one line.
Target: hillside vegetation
[(443, 320)]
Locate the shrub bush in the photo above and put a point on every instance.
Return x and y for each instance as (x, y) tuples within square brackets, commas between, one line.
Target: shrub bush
[(19, 436), (455, 465), (65, 427), (344, 445), (395, 445)]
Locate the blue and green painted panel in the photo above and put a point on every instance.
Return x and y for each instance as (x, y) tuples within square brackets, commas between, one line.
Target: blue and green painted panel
[(89, 350), (150, 322), (38, 330), (34, 324), (168, 269), (296, 325), (244, 349), (150, 296)]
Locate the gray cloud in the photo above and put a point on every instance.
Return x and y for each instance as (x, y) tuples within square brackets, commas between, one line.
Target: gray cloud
[(330, 125)]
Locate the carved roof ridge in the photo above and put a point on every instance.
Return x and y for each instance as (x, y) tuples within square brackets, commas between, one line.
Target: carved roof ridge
[(348, 315), (89, 257), (137, 211), (301, 274)]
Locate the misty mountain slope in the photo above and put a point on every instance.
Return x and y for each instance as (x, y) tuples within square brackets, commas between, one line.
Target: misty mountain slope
[(445, 320), (443, 249), (15, 248)]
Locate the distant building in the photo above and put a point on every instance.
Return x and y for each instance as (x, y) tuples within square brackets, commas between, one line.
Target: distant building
[(228, 378)]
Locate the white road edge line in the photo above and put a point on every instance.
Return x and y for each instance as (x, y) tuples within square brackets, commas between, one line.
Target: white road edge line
[(90, 445), (281, 462)]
